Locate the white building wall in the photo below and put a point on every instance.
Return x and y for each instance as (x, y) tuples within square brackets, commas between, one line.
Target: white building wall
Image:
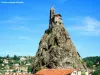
[(58, 20), (74, 73), (79, 73), (86, 73)]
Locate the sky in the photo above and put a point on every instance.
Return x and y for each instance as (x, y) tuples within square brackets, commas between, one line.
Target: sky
[(23, 23)]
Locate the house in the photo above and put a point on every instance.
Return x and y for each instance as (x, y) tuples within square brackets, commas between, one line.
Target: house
[(22, 59), (5, 61), (23, 68), (57, 72)]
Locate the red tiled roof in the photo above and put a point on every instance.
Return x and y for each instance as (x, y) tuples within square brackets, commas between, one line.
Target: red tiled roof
[(57, 15), (54, 72)]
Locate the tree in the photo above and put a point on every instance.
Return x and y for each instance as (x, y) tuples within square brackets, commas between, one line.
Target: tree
[(7, 56), (90, 64), (14, 71), (83, 73), (96, 72), (29, 68), (1, 61), (16, 57), (93, 63)]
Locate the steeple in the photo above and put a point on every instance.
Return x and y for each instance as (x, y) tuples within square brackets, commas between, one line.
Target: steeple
[(55, 19), (52, 12), (52, 8)]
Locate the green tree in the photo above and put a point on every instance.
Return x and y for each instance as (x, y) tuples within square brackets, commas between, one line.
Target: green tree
[(16, 57), (1, 61), (83, 73), (14, 71), (8, 56), (92, 61), (96, 72), (29, 68), (90, 64)]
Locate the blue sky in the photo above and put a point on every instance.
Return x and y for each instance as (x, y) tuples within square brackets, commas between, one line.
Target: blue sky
[(22, 25)]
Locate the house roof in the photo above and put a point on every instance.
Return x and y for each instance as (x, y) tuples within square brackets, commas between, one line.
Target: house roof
[(57, 15), (54, 72)]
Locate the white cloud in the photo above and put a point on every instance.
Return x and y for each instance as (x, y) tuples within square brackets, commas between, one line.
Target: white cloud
[(91, 24), (21, 19), (24, 38), (14, 19), (21, 28), (88, 26)]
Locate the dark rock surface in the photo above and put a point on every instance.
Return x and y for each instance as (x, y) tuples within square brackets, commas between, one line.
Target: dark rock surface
[(56, 50)]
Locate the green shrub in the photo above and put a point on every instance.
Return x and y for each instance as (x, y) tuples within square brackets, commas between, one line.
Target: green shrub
[(83, 73)]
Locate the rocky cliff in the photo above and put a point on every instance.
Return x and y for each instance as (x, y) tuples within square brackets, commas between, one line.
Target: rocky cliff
[(56, 49)]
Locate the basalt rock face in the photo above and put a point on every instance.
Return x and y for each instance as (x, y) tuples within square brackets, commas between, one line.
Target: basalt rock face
[(56, 50)]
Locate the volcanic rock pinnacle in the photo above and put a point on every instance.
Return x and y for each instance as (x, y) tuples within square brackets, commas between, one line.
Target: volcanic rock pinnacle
[(56, 49)]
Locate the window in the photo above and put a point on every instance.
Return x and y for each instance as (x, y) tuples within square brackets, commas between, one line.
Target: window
[(74, 73), (59, 22)]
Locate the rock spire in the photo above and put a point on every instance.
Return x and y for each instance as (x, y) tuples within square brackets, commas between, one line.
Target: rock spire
[(56, 49)]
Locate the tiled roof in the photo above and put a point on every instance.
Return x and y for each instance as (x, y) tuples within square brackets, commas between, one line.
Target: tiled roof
[(57, 15), (54, 72)]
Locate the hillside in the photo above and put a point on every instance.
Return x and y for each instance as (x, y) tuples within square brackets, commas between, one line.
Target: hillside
[(93, 63), (21, 64)]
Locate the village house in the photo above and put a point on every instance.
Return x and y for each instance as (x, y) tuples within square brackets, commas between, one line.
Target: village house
[(22, 59), (5, 61)]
